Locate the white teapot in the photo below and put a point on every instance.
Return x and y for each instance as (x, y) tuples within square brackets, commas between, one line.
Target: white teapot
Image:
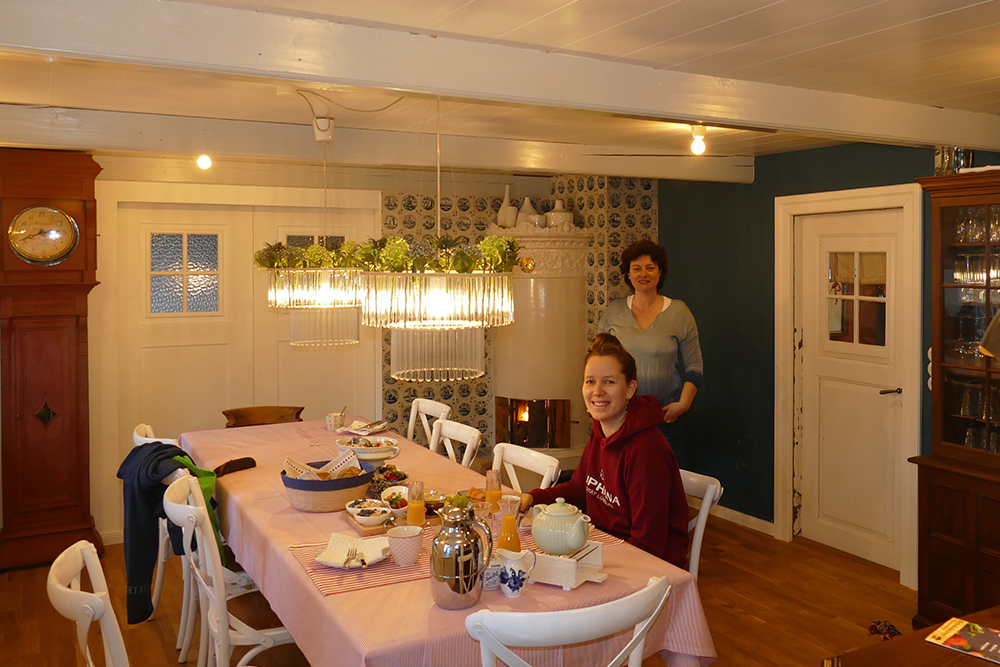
[(560, 528)]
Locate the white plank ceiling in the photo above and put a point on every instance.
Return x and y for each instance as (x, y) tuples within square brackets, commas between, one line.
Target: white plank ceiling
[(523, 85)]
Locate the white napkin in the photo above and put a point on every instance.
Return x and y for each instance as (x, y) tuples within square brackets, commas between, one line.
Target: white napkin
[(359, 427), (375, 549)]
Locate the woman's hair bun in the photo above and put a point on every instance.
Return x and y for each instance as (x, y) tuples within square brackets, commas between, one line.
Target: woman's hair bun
[(608, 345)]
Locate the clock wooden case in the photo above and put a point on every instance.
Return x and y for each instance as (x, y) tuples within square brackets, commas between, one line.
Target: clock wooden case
[(44, 401)]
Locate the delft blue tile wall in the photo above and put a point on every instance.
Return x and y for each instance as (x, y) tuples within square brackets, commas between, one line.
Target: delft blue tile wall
[(619, 211)]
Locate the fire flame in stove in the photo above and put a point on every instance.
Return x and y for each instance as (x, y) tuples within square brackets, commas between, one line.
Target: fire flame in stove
[(522, 415)]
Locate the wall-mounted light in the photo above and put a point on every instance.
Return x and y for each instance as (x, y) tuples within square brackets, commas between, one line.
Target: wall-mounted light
[(204, 161), (697, 139)]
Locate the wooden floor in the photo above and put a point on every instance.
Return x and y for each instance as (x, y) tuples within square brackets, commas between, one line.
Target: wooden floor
[(767, 602)]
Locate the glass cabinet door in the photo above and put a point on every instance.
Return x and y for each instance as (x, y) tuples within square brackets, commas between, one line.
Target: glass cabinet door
[(970, 296)]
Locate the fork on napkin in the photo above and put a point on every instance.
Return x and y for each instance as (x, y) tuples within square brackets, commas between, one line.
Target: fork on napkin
[(370, 551), (363, 428)]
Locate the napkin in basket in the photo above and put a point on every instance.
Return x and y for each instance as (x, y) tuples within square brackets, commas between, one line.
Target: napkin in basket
[(298, 470), (375, 549)]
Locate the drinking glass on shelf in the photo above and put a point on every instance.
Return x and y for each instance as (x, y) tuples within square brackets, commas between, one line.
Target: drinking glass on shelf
[(994, 223), (961, 226), (977, 224)]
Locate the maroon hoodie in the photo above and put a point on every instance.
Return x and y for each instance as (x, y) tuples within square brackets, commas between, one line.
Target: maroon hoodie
[(630, 484)]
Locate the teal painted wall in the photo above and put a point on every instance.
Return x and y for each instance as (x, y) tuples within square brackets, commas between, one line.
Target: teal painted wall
[(720, 243)]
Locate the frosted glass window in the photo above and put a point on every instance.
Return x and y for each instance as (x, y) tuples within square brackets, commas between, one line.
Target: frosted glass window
[(304, 241), (166, 252), (203, 294), (184, 273), (167, 294), (203, 252), (299, 241)]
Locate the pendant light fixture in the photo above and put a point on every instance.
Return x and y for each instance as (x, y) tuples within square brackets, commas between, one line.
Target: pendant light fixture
[(437, 319), (323, 303)]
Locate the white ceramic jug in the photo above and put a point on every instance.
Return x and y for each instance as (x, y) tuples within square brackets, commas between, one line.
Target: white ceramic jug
[(514, 571)]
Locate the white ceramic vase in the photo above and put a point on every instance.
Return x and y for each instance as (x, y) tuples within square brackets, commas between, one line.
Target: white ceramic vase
[(507, 215)]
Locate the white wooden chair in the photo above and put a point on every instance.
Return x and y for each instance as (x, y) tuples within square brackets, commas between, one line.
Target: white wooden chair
[(445, 431), (498, 630), (511, 457), (709, 490), (426, 409), (185, 506), (85, 607), (141, 435)]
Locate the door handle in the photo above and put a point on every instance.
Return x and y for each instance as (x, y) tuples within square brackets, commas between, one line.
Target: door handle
[(897, 390)]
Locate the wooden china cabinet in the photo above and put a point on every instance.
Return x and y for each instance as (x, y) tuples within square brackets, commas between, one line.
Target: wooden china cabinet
[(959, 483), (47, 268)]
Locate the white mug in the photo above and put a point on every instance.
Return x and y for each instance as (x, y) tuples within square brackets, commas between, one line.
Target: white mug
[(513, 573), (404, 544)]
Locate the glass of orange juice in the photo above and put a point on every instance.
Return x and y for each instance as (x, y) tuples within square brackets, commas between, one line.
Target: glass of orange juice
[(493, 491), (415, 510)]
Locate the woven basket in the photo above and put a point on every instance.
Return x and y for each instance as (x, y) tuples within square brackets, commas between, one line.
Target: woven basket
[(311, 495)]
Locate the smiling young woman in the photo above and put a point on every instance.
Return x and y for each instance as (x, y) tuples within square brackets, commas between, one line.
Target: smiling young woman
[(628, 479)]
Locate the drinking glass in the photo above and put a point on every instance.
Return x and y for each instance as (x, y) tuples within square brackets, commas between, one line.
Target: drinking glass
[(415, 508), (493, 491)]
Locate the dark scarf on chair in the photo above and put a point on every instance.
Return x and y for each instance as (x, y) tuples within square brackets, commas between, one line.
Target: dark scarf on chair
[(143, 472)]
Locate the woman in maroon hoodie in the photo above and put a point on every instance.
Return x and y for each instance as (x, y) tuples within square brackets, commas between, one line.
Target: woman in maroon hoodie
[(628, 480)]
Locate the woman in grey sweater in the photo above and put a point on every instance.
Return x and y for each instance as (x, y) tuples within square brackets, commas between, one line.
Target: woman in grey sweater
[(659, 332)]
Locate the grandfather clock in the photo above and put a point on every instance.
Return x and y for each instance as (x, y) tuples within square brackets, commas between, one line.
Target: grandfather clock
[(47, 268)]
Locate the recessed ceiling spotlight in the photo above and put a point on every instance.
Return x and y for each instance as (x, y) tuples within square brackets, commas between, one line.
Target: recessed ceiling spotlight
[(697, 139), (204, 161)]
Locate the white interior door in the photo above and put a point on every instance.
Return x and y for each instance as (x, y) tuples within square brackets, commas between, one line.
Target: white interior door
[(851, 369), (186, 356), (191, 354), (324, 379)]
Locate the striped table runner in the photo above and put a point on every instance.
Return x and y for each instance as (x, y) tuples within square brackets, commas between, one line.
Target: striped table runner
[(331, 580)]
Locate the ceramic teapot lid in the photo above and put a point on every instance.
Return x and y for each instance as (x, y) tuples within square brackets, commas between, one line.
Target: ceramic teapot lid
[(560, 508)]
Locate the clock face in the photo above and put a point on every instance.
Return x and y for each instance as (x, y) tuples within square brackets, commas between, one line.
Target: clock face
[(43, 235)]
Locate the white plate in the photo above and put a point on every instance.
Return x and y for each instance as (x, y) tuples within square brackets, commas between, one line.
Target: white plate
[(384, 449)]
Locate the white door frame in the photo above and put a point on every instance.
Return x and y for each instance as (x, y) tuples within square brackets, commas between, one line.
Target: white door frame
[(909, 198)]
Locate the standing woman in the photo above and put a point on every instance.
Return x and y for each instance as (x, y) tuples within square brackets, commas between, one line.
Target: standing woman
[(628, 479), (660, 333)]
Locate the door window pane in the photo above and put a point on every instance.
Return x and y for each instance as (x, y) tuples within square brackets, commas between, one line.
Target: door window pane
[(841, 277), (184, 273), (166, 252), (203, 252), (856, 297), (167, 294), (871, 277), (871, 322)]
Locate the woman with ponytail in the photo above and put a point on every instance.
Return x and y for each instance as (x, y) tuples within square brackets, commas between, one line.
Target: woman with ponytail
[(628, 480)]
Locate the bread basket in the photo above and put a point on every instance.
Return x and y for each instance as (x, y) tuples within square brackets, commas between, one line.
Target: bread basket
[(317, 495)]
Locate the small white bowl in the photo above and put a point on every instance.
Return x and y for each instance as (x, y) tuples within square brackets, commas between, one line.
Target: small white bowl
[(356, 506), (379, 516), (390, 492)]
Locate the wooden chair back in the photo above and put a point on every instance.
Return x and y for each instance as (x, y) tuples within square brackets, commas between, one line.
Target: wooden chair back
[(262, 414)]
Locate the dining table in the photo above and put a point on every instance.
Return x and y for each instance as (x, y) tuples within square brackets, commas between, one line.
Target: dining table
[(385, 615)]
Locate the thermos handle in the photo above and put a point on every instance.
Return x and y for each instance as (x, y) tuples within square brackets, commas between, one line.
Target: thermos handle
[(489, 542)]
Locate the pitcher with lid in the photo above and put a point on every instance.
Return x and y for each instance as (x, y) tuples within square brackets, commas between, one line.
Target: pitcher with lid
[(458, 559)]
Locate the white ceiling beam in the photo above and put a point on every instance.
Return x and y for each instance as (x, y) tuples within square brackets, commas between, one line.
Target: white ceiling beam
[(218, 39), (45, 127)]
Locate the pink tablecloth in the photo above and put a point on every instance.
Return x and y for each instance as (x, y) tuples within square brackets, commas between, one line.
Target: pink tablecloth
[(398, 625)]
